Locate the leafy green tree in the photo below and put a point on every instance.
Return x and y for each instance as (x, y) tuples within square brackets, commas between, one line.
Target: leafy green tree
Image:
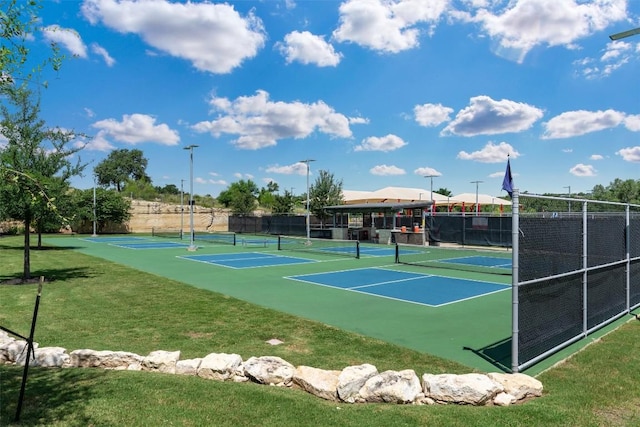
[(444, 191), (266, 198), (19, 20), (284, 204), (120, 166), (168, 189), (325, 191), (111, 208), (240, 197), (35, 165), (139, 189)]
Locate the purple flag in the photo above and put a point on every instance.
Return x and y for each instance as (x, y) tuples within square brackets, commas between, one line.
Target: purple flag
[(507, 182)]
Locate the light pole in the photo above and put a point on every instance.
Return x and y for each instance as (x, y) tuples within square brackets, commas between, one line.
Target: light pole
[(624, 34), (181, 208), (95, 234), (568, 187), (307, 161), (477, 184), (191, 247)]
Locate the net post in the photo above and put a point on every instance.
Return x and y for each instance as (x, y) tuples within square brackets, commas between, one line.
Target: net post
[(357, 249), (279, 242), (234, 239), (397, 250), (515, 328)]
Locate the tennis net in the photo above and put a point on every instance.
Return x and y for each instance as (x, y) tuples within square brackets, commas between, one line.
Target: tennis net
[(349, 248), (228, 237), (476, 261)]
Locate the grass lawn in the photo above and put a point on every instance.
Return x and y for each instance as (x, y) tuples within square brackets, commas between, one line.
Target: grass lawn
[(96, 304)]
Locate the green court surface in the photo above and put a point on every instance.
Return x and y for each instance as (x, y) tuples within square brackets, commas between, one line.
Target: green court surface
[(474, 331)]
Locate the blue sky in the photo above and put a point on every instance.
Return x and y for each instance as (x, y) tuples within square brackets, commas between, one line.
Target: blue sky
[(378, 92)]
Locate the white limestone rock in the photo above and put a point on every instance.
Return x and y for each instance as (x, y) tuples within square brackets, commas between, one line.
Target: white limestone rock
[(518, 385), (319, 382), (271, 370), (504, 399), (219, 366), (51, 357), (188, 366), (105, 359), (351, 380), (473, 389), (161, 361), (392, 387)]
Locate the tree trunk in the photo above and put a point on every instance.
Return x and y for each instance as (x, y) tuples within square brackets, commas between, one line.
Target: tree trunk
[(26, 272)]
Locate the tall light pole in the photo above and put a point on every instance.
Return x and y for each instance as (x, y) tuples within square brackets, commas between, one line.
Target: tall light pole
[(568, 187), (191, 247), (477, 184), (95, 234), (181, 208), (307, 161)]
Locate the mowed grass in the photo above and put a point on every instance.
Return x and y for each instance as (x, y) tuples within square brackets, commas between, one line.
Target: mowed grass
[(92, 303)]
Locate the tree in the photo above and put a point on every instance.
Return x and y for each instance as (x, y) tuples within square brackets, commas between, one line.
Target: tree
[(444, 191), (35, 165), (19, 20), (284, 204), (240, 197), (325, 191), (111, 208), (120, 166), (266, 198)]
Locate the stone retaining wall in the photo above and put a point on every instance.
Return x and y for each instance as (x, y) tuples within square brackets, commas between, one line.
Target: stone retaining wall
[(353, 384)]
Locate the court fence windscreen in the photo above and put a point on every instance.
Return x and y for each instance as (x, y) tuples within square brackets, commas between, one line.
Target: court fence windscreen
[(576, 268)]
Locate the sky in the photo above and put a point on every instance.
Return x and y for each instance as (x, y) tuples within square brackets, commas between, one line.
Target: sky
[(404, 93)]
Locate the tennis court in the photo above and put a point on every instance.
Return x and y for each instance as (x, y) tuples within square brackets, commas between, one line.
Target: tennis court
[(427, 289), (453, 310), (247, 259)]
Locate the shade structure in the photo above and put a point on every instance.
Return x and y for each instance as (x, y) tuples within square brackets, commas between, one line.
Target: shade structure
[(396, 195), (483, 199)]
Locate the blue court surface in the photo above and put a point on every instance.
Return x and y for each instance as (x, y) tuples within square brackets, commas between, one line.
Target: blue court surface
[(247, 259), (404, 286)]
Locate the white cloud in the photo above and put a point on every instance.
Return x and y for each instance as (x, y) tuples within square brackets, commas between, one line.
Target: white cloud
[(218, 182), (298, 168), (596, 157), (632, 122), (616, 54), (89, 112), (97, 143), (384, 170), (583, 170), (630, 154), (260, 123), (485, 116), (427, 171), (199, 180), (269, 180), (358, 120), (576, 123), (490, 153), (66, 37), (308, 48), (432, 114), (387, 26), (525, 24), (135, 129), (214, 37), (385, 143), (99, 50)]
